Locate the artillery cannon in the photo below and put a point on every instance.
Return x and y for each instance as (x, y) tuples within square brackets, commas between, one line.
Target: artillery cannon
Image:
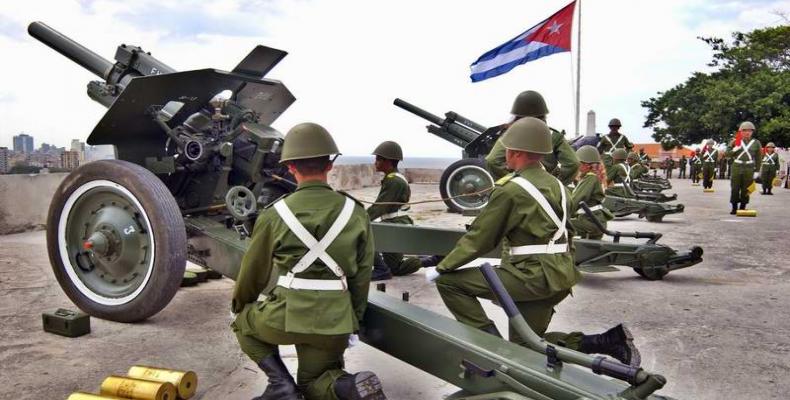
[(192, 169)]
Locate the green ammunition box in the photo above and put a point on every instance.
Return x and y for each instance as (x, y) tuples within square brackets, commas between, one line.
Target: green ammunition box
[(67, 323)]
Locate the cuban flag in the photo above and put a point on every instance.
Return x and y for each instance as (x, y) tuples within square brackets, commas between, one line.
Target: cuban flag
[(552, 35)]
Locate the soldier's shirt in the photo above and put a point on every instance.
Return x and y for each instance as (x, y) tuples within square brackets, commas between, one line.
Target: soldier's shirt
[(637, 170), (609, 143), (274, 250), (516, 217), (710, 157), (562, 155), (770, 162), (394, 189), (740, 154), (590, 191)]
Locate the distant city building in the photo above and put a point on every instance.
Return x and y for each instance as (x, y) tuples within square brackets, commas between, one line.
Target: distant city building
[(5, 156), (70, 159), (23, 143)]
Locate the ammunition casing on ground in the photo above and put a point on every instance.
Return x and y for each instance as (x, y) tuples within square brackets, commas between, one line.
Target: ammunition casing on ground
[(184, 381), (140, 389), (746, 213), (708, 190), (90, 396)]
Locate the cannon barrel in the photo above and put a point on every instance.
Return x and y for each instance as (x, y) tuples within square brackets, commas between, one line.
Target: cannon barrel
[(419, 112), (74, 51)]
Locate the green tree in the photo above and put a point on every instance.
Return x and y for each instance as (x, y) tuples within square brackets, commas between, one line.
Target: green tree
[(752, 83)]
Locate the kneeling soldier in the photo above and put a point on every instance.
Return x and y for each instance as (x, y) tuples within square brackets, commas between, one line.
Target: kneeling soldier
[(316, 248), (395, 192), (618, 175), (528, 210), (590, 191)]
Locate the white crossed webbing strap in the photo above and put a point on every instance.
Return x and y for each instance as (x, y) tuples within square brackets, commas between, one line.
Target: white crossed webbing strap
[(614, 145), (627, 169), (562, 231), (316, 248), (695, 160), (769, 159), (746, 151), (593, 208), (709, 156)]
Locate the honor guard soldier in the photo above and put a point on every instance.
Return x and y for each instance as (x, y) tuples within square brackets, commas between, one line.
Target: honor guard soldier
[(669, 164), (644, 159), (683, 164), (529, 210), (589, 189), (710, 157), (769, 168), (696, 166), (746, 154), (637, 168), (612, 141), (561, 162), (394, 195), (316, 247), (618, 175)]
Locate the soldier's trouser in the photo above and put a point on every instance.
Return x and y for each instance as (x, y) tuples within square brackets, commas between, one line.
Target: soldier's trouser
[(682, 173), (460, 290), (767, 176), (586, 228), (708, 170), (694, 174), (742, 177), (398, 265), (320, 356)]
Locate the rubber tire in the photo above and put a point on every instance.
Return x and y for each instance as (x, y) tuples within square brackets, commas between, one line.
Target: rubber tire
[(642, 273), (464, 162), (168, 230)]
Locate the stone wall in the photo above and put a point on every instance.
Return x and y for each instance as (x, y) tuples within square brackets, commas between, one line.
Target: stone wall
[(24, 199)]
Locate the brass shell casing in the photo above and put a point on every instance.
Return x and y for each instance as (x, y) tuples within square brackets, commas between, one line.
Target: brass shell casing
[(90, 396), (140, 389), (746, 213), (184, 381), (708, 190)]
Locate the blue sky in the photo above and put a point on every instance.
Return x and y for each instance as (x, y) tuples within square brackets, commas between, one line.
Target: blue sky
[(350, 58)]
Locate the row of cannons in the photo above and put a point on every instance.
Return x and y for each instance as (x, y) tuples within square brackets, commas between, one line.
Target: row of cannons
[(197, 158)]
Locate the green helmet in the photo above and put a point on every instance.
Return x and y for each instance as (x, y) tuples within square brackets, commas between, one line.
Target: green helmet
[(619, 154), (770, 144), (528, 134), (615, 122), (746, 125), (632, 156), (389, 150), (529, 104), (588, 154), (308, 140)]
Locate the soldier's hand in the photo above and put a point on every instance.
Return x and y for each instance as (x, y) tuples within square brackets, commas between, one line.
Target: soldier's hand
[(431, 274), (353, 340)]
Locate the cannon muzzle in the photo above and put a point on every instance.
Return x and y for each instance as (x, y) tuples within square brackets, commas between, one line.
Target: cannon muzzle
[(419, 112), (74, 51)]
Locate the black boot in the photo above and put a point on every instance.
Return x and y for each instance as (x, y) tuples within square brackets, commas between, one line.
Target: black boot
[(430, 261), (281, 383), (360, 386), (734, 209), (491, 329), (743, 206), (770, 190), (616, 342), (381, 272)]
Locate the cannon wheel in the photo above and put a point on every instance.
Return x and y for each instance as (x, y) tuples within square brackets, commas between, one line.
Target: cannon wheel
[(654, 275), (468, 175), (116, 241), (654, 218)]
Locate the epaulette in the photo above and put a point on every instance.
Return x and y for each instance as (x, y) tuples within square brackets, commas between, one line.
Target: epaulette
[(505, 179), (276, 200), (351, 197)]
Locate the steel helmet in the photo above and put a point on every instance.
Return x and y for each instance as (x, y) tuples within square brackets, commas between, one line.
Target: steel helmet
[(529, 104), (615, 122), (746, 125), (588, 154), (770, 144), (389, 150), (632, 156), (528, 134), (619, 154), (308, 140)]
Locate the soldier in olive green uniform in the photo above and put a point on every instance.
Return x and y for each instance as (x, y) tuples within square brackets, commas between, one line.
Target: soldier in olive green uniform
[(683, 164), (618, 175), (561, 162), (696, 166), (394, 189), (529, 211), (311, 254), (746, 154), (769, 168), (611, 141), (637, 168), (710, 157), (644, 159), (589, 189)]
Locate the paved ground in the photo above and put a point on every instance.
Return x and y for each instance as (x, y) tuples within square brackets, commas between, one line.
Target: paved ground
[(717, 330)]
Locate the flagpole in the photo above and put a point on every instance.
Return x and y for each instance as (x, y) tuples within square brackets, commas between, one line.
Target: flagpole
[(578, 64)]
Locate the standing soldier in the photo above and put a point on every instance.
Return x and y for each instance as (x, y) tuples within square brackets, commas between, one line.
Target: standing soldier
[(561, 162), (710, 157), (618, 175), (746, 153), (528, 210), (769, 168), (589, 189), (683, 163), (670, 165), (611, 141), (696, 166), (316, 246), (394, 193)]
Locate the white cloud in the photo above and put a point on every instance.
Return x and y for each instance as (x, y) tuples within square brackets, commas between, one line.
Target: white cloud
[(349, 59)]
